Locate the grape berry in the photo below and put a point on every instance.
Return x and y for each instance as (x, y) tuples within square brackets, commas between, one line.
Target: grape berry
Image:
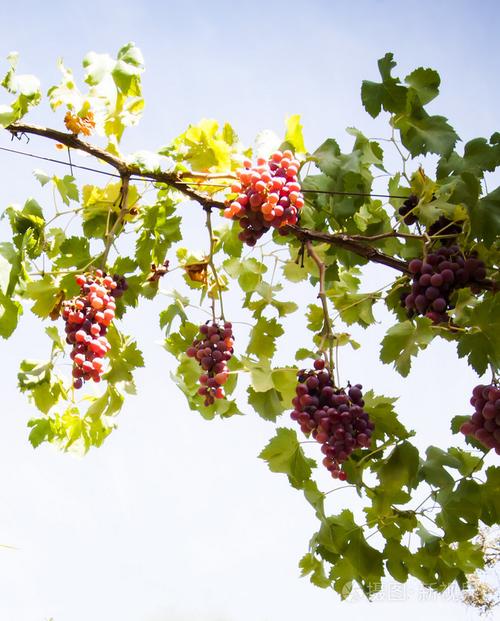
[(334, 416), (484, 424), (212, 349), (268, 195), (436, 277), (87, 318)]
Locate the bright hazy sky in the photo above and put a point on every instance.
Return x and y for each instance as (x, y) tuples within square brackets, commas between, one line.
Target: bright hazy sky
[(174, 518)]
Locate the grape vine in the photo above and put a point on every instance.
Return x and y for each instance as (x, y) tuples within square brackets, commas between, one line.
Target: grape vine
[(104, 248)]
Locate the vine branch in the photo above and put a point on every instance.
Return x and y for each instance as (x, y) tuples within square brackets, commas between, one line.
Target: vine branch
[(174, 180)]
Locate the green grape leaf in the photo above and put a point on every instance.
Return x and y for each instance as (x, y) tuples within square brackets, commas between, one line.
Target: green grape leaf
[(460, 511), (284, 454), (10, 311), (293, 272), (101, 207), (66, 187), (176, 309), (294, 135), (422, 133), (490, 501), (399, 469), (46, 292), (433, 469), (403, 341), (389, 94), (285, 380), (485, 218), (41, 431), (127, 70), (314, 568), (340, 536), (267, 404), (302, 354), (478, 157), (260, 374), (27, 89), (204, 147), (11, 268), (159, 229), (227, 239), (28, 226), (262, 341), (74, 252), (397, 557), (425, 82), (124, 357), (315, 317), (248, 272), (481, 342), (354, 307)]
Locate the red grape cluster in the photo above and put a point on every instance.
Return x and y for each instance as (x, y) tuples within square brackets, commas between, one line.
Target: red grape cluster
[(334, 416), (87, 318), (212, 349), (436, 277), (268, 196), (484, 424)]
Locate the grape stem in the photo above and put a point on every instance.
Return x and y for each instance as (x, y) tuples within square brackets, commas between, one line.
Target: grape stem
[(111, 234), (210, 259), (326, 331), (205, 175)]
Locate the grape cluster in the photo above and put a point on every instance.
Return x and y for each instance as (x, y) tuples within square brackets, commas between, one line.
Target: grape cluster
[(445, 226), (268, 195), (442, 226), (406, 210), (484, 424), (87, 318), (212, 349), (436, 277), (334, 416)]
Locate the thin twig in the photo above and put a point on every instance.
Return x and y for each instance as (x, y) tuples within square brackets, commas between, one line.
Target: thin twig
[(110, 236), (211, 261)]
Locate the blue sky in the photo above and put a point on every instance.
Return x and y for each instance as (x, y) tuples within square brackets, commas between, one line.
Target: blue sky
[(174, 518)]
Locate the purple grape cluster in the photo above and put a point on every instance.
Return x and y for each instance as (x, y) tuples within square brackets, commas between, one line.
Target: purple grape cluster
[(334, 416), (445, 226), (436, 277), (213, 348), (484, 424), (406, 210)]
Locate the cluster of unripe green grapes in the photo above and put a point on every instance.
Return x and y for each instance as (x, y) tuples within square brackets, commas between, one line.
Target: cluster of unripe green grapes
[(213, 349), (267, 194), (333, 416), (87, 318)]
